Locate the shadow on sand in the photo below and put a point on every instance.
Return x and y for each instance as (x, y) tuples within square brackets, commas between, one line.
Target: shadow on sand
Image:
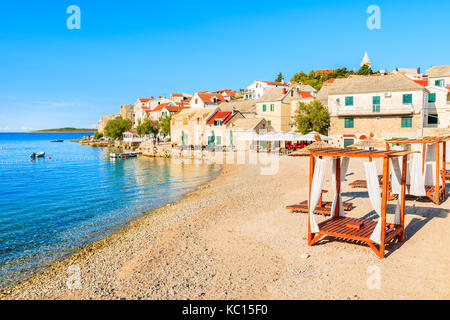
[(423, 215)]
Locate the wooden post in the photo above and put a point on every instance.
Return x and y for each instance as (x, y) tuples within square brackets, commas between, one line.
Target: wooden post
[(338, 187), (444, 170), (387, 146), (423, 158), (438, 180), (403, 196), (311, 175), (384, 193)]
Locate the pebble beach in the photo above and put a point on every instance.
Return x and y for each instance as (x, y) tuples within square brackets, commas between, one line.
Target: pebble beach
[(233, 239)]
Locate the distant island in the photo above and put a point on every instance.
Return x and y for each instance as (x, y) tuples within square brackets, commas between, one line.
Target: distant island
[(64, 130)]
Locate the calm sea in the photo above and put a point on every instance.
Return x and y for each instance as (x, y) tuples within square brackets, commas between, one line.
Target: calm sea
[(50, 207)]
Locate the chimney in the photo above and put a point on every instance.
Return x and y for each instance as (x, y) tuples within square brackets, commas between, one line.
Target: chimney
[(284, 91), (282, 80), (159, 97)]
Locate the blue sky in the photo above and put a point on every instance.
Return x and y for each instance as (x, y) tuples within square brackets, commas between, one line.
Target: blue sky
[(55, 77)]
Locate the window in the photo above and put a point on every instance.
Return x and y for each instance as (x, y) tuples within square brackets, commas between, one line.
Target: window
[(218, 140), (407, 98), (349, 101), (432, 97), (217, 122), (439, 83), (349, 123), (348, 142), (272, 107), (264, 108), (406, 122), (433, 120), (376, 104)]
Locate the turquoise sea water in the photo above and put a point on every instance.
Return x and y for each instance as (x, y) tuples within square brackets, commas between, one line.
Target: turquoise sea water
[(50, 207)]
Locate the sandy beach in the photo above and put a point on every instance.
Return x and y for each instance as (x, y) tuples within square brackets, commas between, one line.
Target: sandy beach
[(234, 239)]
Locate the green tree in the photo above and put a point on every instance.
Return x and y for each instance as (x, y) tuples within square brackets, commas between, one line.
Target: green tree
[(365, 70), (316, 79), (279, 77), (147, 126), (98, 135), (116, 127), (312, 116), (164, 124)]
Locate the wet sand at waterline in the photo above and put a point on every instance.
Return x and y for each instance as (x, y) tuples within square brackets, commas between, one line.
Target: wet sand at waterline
[(234, 239)]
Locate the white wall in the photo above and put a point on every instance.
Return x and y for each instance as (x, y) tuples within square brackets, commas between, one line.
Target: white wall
[(364, 102)]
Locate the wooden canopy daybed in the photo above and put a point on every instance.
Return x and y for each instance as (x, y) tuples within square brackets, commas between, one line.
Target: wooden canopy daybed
[(434, 192), (360, 230)]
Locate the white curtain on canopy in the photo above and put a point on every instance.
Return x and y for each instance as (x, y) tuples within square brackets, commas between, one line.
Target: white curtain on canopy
[(374, 190), (397, 184), (344, 166), (417, 178), (316, 191), (430, 165)]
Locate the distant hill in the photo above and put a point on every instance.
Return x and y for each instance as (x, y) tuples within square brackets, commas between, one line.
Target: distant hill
[(64, 130)]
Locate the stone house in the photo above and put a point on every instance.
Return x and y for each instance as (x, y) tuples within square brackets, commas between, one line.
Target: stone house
[(278, 106), (390, 106)]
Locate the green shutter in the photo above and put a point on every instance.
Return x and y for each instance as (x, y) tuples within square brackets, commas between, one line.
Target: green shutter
[(407, 98), (272, 107), (264, 107), (376, 104), (432, 97), (406, 122), (349, 123), (349, 101)]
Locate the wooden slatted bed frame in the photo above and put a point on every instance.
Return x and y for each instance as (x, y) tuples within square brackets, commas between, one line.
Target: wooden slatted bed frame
[(435, 193), (323, 208), (355, 229)]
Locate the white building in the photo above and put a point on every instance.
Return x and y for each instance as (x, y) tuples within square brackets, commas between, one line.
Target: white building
[(205, 99), (439, 76), (257, 89), (438, 110)]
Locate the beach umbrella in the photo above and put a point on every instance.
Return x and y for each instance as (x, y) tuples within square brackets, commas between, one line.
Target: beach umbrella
[(369, 143), (318, 144), (310, 137)]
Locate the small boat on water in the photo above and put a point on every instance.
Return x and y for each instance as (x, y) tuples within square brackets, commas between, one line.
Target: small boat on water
[(37, 155), (123, 155), (56, 140)]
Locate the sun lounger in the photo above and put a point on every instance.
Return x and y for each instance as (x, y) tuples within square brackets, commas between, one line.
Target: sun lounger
[(324, 210), (363, 183)]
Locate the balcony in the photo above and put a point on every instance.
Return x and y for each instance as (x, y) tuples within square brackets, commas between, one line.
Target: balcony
[(373, 110)]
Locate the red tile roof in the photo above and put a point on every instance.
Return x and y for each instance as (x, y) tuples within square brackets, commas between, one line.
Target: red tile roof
[(330, 80), (208, 97), (328, 71), (305, 94), (225, 116), (273, 83), (162, 105), (423, 83), (145, 100)]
